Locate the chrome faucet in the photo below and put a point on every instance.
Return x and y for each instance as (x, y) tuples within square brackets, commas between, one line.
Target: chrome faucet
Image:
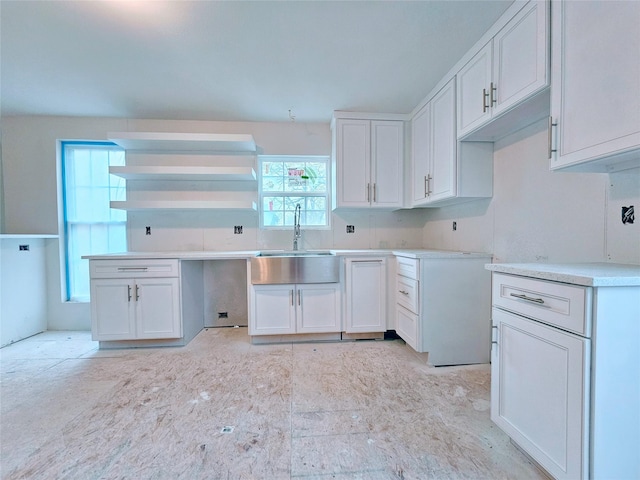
[(296, 226)]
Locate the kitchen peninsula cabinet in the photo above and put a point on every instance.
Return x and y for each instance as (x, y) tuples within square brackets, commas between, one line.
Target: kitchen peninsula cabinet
[(291, 309), (368, 158), (565, 375), (595, 87), (443, 305), (145, 301), (511, 68)]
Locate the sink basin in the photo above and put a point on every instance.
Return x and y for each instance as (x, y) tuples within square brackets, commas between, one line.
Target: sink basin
[(295, 267), (294, 253)]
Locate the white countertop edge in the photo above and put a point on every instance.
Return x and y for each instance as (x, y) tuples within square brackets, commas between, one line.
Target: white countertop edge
[(585, 274), (218, 254), (26, 235)]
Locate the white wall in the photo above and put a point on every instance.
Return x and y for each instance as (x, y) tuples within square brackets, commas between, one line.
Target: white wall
[(31, 198), (537, 215)]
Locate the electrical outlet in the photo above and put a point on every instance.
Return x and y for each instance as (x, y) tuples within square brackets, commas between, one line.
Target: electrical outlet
[(351, 229), (237, 230), (23, 248), (223, 314), (147, 231), (455, 226)]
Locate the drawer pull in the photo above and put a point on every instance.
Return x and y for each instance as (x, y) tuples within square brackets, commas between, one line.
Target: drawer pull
[(132, 269), (528, 299), (403, 292)]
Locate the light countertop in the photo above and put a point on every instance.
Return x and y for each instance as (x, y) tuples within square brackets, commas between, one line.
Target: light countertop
[(586, 274), (221, 255)]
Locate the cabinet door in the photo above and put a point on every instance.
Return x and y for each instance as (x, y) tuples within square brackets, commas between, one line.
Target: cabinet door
[(318, 308), (595, 80), (353, 163), (387, 147), (366, 302), (473, 89), (520, 57), (420, 154), (112, 309), (539, 384), (274, 310), (443, 165), (157, 303)]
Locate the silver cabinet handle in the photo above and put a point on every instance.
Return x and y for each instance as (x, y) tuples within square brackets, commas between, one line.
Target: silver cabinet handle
[(137, 292), (429, 178), (299, 296), (528, 299), (485, 96), (375, 199), (133, 269), (426, 186), (493, 97), (403, 292), (129, 293), (550, 133), (291, 297), (494, 329), (368, 192)]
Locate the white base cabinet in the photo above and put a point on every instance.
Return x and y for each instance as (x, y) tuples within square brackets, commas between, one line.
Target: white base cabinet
[(291, 309), (138, 308), (145, 302), (366, 295), (442, 307), (565, 372)]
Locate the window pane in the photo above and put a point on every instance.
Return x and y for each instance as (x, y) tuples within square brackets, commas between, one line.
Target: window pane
[(287, 181), (91, 226)]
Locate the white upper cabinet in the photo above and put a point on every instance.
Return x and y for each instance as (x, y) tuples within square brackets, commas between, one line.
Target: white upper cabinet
[(446, 171), (595, 88), (511, 68), (367, 163)]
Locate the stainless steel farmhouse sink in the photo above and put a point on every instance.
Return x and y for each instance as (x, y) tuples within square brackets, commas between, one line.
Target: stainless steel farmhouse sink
[(295, 267)]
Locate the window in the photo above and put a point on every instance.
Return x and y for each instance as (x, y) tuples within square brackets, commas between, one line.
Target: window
[(90, 225), (286, 181)]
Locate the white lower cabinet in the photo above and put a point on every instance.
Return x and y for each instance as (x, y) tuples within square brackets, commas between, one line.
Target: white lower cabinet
[(366, 295), (565, 370), (135, 300), (442, 306), (134, 309), (538, 391), (290, 309)]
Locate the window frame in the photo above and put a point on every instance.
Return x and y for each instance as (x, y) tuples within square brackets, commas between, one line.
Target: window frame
[(292, 159), (65, 243)]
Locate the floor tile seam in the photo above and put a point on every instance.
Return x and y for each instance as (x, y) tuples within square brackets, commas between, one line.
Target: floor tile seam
[(333, 434), (340, 473)]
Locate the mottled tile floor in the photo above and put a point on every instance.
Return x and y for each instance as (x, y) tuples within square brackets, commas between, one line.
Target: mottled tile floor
[(221, 408)]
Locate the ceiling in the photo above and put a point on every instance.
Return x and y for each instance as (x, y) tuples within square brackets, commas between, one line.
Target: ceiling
[(230, 60)]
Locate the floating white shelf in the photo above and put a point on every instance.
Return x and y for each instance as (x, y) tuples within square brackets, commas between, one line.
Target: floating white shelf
[(184, 205), (184, 173), (184, 142)]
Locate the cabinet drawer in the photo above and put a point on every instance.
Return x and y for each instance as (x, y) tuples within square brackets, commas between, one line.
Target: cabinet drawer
[(133, 268), (408, 267), (565, 306), (407, 293), (407, 327)]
